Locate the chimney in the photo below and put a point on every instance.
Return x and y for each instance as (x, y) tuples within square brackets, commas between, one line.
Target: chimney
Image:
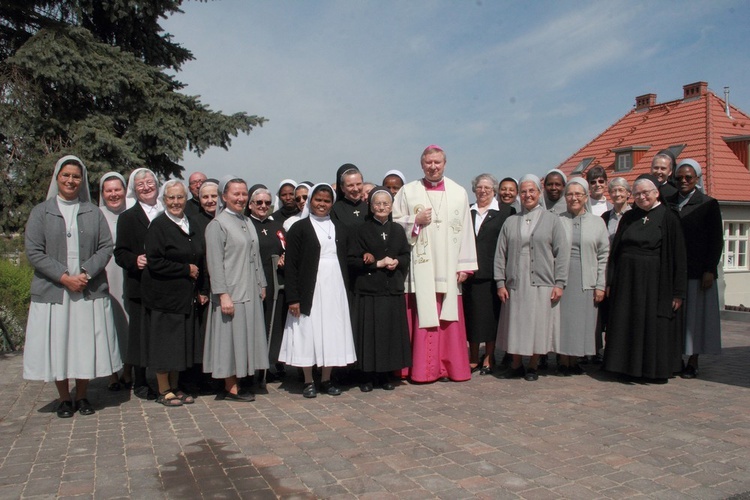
[(726, 102), (645, 101), (694, 90)]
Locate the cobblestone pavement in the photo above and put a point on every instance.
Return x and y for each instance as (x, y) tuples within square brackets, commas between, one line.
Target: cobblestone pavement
[(579, 437)]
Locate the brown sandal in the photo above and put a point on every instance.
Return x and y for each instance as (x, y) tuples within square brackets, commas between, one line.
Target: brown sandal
[(186, 399), (165, 400)]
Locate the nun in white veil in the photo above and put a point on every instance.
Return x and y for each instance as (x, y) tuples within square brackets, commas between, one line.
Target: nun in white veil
[(70, 331), (112, 189)]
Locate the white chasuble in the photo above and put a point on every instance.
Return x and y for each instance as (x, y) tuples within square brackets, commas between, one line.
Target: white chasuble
[(439, 250)]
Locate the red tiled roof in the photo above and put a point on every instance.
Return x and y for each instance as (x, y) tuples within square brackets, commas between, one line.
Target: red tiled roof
[(700, 123)]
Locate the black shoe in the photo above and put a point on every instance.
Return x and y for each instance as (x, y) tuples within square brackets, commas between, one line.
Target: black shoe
[(388, 386), (485, 370), (531, 375), (65, 409), (329, 388), (515, 372), (84, 407), (366, 387), (144, 392), (507, 361), (576, 370), (242, 396), (563, 371), (543, 365), (689, 372), (309, 391)]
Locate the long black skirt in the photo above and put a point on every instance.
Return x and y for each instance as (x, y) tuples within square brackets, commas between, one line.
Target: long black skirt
[(481, 310), (137, 353), (171, 339), (381, 333), (640, 343)]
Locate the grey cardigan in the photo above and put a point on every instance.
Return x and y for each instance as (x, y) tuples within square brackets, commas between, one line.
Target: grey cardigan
[(594, 248), (550, 252), (233, 258), (47, 251)]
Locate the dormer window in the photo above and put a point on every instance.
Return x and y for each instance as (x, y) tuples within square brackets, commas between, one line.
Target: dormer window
[(582, 165), (626, 157)]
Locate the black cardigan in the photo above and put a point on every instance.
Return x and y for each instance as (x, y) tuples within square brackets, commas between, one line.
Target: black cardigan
[(704, 233), (486, 240), (132, 226), (302, 258), (166, 284)]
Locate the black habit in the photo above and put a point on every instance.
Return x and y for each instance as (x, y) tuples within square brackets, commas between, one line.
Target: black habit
[(272, 241), (132, 226), (647, 269), (350, 213), (381, 330)]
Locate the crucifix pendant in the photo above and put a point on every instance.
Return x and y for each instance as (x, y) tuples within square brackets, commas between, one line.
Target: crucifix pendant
[(645, 219), (265, 233), (383, 235)]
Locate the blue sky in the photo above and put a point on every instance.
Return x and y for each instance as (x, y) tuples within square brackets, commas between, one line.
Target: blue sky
[(506, 87)]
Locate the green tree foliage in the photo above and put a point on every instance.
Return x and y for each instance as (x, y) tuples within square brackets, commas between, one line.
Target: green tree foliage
[(88, 77)]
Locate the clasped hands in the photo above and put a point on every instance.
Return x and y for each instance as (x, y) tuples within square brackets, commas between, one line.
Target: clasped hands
[(385, 262)]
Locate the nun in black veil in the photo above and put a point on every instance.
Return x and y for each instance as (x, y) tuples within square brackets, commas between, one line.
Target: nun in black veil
[(379, 259), (646, 285)]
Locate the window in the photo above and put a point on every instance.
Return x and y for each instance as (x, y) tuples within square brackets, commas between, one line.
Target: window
[(624, 162), (582, 166), (736, 239), (626, 158)]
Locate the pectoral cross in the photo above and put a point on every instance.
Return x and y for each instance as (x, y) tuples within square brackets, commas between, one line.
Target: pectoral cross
[(356, 212), (265, 233), (645, 219), (383, 235)]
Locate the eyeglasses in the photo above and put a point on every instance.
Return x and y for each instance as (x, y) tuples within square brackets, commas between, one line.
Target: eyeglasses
[(262, 202), (383, 204), (643, 194), (301, 198), (577, 196), (600, 180), (175, 197), (139, 186), (686, 178)]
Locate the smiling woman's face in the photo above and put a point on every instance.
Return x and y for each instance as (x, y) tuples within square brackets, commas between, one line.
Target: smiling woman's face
[(235, 197), (321, 203), (145, 189), (69, 180), (113, 193), (529, 195)]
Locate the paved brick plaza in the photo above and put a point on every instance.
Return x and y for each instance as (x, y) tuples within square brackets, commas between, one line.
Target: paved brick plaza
[(574, 437)]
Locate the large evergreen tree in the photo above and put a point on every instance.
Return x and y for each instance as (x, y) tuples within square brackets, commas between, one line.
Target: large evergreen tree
[(87, 77)]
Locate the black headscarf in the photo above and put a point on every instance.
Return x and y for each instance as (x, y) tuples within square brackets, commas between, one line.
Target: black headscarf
[(373, 192), (339, 173)]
